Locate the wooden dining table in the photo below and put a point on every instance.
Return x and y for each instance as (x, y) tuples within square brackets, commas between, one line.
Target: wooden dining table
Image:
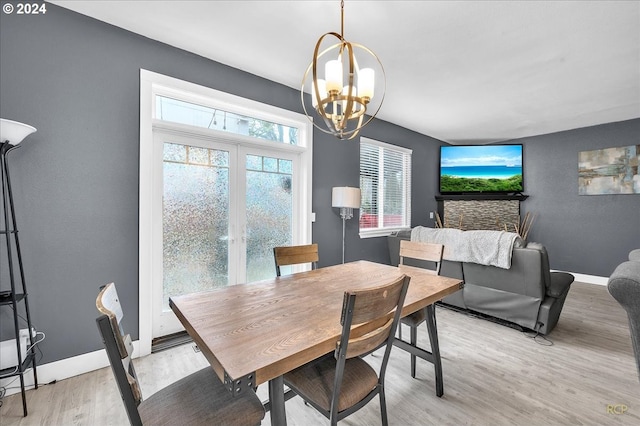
[(254, 333)]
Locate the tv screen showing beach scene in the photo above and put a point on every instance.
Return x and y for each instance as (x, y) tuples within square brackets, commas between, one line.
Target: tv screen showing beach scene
[(480, 168)]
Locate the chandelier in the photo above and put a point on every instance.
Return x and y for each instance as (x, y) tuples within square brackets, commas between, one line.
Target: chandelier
[(342, 107)]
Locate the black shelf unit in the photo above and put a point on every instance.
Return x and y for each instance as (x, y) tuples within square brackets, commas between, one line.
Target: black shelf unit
[(17, 296)]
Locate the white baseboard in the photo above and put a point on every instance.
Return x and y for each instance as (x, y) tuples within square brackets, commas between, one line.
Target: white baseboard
[(589, 279), (63, 369)]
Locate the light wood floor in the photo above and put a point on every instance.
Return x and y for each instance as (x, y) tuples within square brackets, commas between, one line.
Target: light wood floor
[(493, 375)]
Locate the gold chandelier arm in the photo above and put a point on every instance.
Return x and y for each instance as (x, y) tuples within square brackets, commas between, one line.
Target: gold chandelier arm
[(355, 133), (348, 109)]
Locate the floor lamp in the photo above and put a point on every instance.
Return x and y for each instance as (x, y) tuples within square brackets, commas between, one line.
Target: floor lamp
[(11, 134), (347, 199)]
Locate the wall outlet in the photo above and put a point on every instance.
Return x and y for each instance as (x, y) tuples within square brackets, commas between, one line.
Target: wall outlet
[(430, 215), (8, 351)]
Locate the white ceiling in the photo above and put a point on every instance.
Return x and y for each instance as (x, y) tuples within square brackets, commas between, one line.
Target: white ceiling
[(459, 71)]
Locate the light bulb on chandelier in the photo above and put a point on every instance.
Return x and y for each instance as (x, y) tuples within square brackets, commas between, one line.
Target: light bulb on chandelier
[(343, 107)]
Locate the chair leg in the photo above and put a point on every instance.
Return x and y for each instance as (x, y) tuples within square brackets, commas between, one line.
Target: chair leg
[(383, 406), (414, 342), (435, 348)]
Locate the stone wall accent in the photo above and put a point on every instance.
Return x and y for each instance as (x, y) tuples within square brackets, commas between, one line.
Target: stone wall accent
[(482, 214)]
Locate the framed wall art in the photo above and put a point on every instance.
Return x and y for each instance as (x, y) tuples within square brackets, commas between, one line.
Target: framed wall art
[(609, 171)]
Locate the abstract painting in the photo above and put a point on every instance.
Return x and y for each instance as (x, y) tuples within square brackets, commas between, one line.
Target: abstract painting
[(609, 171)]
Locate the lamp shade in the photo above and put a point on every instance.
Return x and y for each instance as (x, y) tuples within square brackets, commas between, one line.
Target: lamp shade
[(345, 196), (13, 131)]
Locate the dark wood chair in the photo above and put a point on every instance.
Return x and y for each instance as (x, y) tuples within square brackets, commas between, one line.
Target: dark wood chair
[(424, 252), (293, 255), (342, 382), (199, 398)]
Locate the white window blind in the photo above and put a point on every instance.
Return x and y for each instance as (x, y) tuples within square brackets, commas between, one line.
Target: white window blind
[(385, 184)]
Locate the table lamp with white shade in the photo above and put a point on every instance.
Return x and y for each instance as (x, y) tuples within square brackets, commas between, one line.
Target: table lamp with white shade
[(347, 199)]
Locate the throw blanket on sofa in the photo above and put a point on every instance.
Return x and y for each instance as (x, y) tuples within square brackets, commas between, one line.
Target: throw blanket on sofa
[(491, 248)]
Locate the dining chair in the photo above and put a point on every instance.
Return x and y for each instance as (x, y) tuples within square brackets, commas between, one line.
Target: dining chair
[(200, 398), (293, 255), (429, 252), (340, 383)]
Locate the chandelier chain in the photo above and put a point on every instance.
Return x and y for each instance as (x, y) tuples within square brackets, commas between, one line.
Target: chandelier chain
[(342, 19)]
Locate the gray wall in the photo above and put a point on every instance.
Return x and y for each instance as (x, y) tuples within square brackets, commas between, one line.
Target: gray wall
[(76, 179), (588, 234)]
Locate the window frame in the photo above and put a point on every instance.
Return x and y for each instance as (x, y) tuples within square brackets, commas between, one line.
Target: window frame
[(406, 188)]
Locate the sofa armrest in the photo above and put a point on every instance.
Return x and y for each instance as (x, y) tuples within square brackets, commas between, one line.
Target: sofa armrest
[(556, 283), (559, 284), (624, 286), (553, 287)]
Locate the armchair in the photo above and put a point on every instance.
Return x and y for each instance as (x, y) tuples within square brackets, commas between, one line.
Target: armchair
[(624, 286)]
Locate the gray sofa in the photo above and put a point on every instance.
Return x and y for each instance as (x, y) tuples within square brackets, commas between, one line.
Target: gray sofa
[(624, 286), (527, 294)]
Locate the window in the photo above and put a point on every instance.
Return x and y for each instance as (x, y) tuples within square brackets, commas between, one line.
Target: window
[(223, 179), (385, 184), (177, 111)]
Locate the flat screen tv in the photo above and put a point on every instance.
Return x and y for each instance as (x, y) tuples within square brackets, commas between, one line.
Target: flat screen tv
[(469, 169)]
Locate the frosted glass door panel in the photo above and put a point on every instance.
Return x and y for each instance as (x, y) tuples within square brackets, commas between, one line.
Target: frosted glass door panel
[(224, 208), (269, 212), (195, 220)]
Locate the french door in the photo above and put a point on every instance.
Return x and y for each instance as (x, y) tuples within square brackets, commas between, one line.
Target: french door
[(219, 208)]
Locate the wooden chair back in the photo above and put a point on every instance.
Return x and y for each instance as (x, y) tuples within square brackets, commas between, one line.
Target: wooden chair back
[(293, 255), (430, 252), (119, 349), (369, 321), (376, 312)]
